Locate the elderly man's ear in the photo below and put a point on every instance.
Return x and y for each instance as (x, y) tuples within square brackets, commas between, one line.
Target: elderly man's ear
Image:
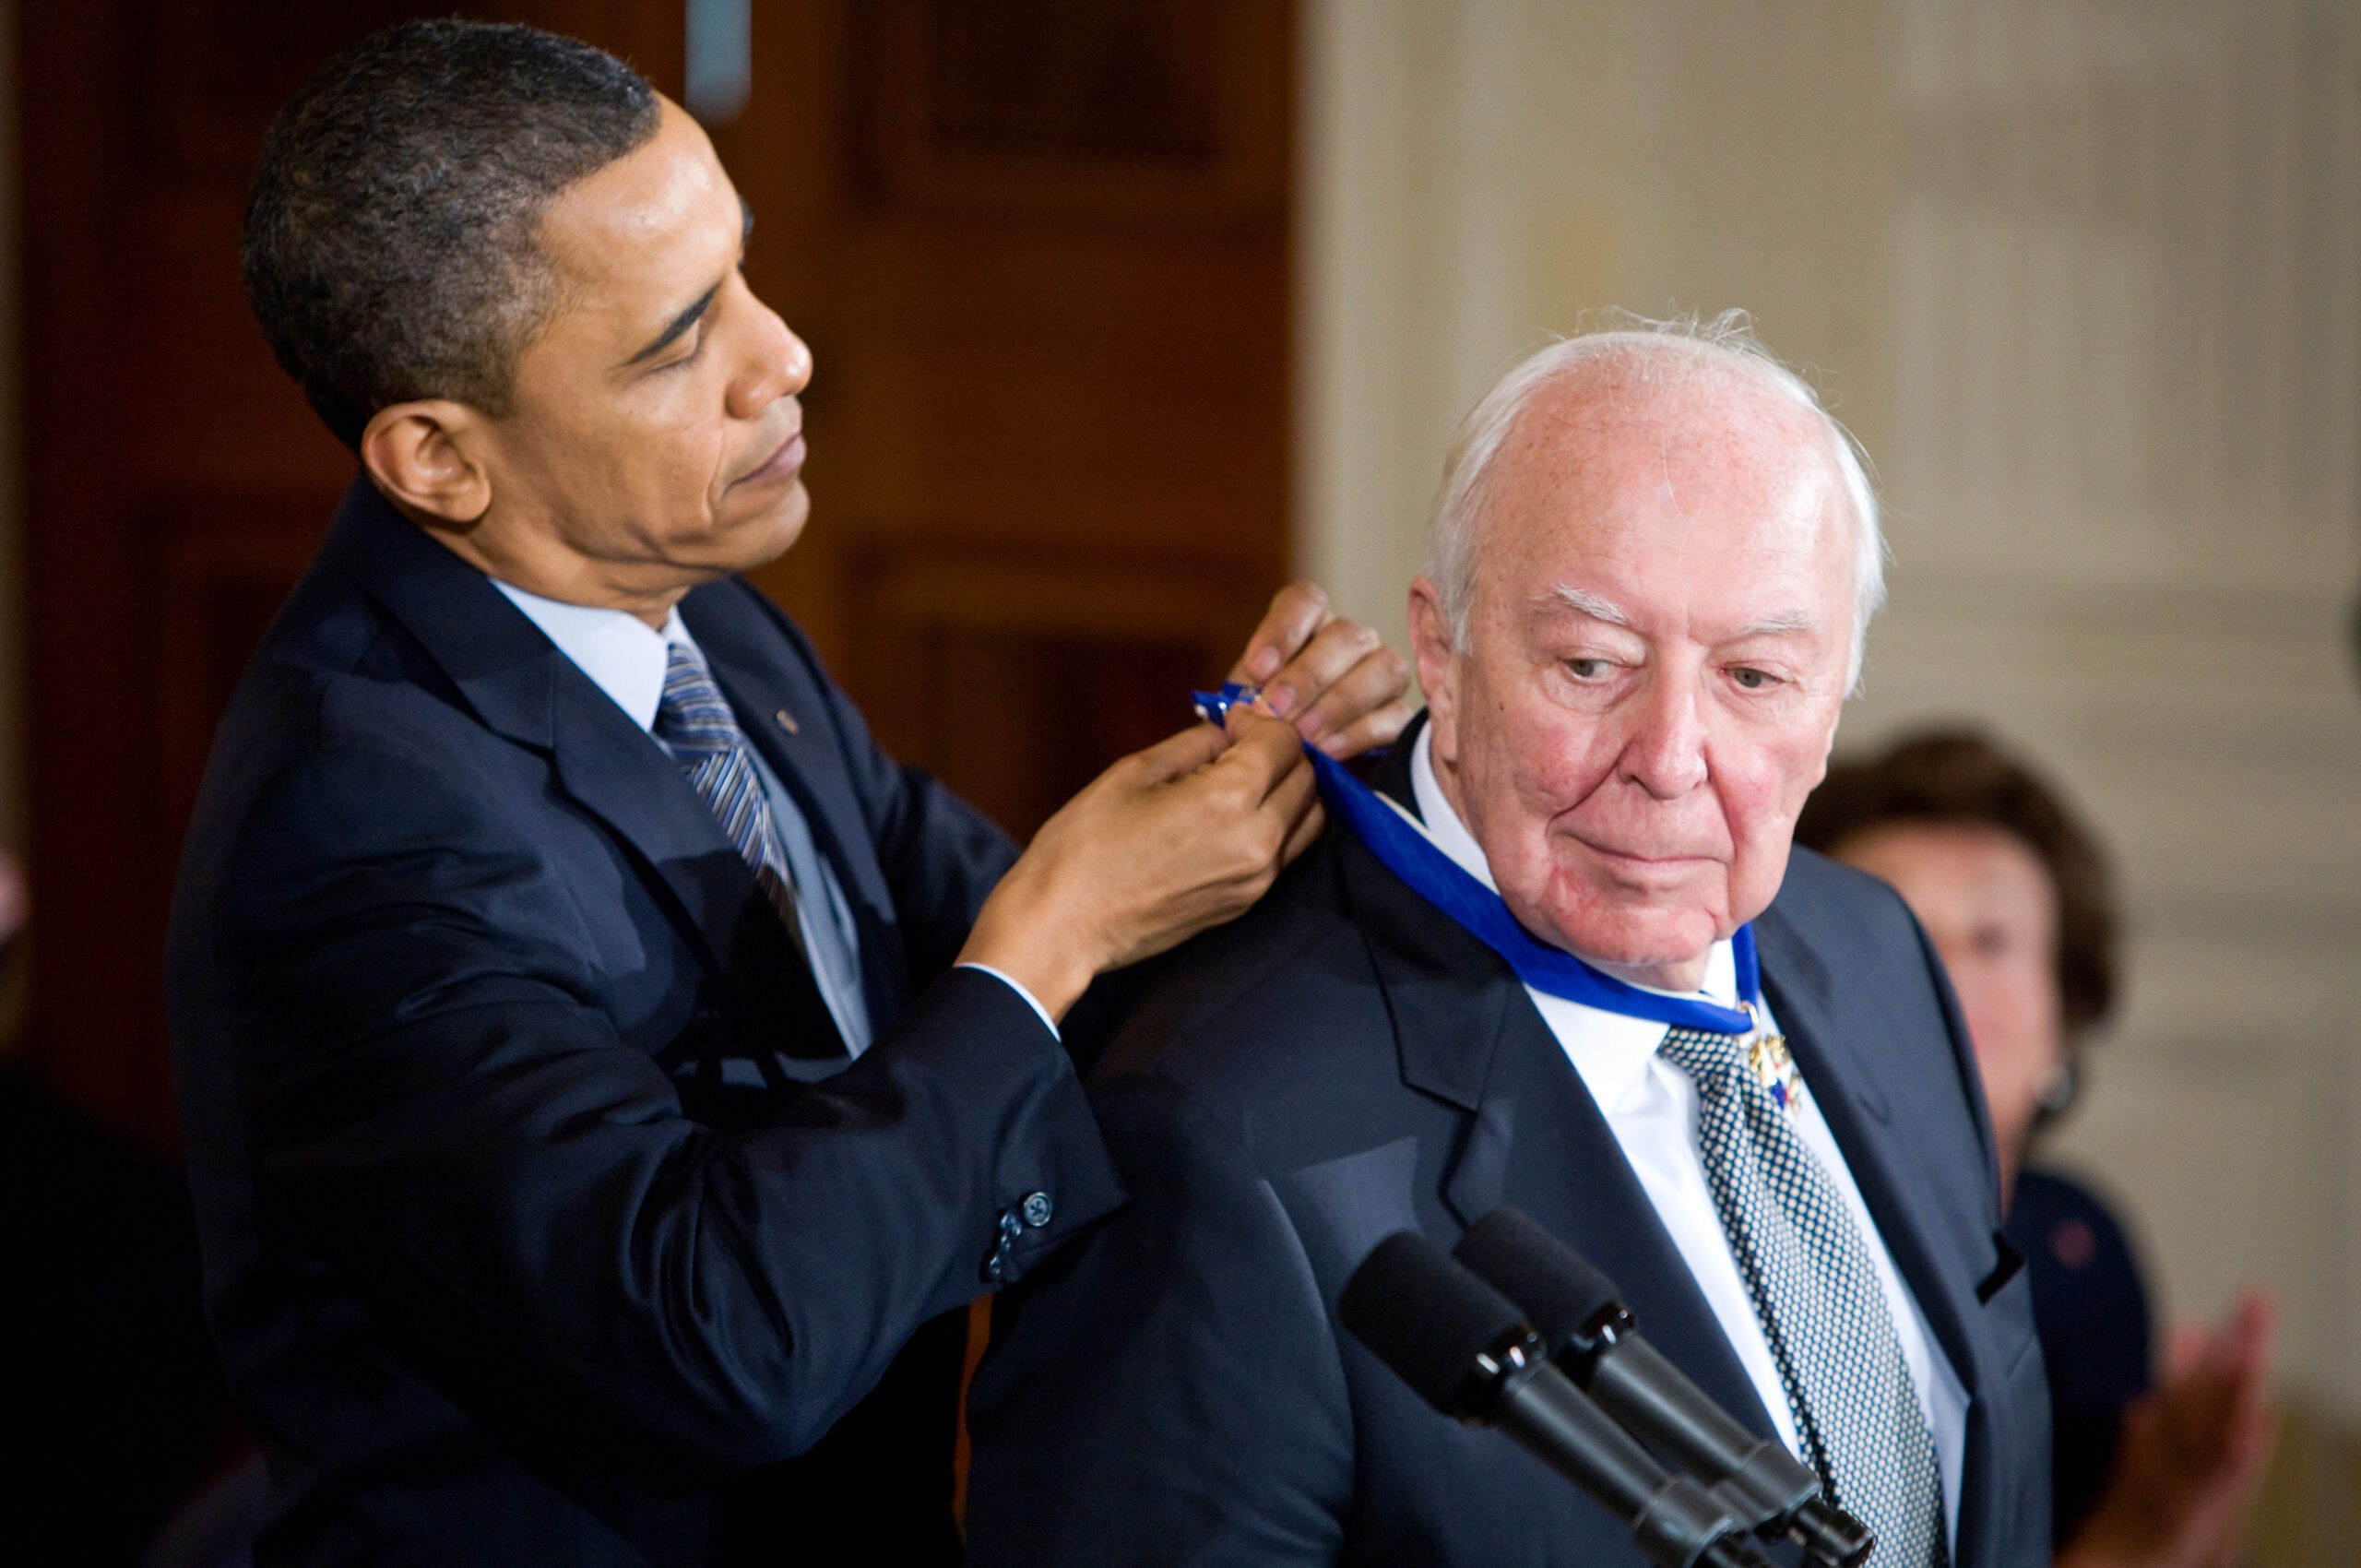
[(1438, 659), (424, 457)]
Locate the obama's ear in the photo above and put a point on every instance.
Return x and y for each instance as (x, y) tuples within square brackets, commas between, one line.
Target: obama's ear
[(425, 456)]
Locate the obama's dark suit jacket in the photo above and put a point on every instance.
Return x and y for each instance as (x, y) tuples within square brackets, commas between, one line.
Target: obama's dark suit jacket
[(513, 1254), (1345, 1062)]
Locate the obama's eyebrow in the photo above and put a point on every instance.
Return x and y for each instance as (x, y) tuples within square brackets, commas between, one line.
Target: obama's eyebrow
[(696, 313), (679, 325)]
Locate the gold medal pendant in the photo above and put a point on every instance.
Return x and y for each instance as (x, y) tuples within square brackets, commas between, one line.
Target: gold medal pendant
[(1767, 1055)]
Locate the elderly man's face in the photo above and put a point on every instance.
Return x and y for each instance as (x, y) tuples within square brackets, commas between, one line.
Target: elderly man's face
[(1656, 656)]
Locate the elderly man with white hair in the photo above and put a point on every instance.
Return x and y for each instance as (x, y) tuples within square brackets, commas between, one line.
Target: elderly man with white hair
[(1563, 956)]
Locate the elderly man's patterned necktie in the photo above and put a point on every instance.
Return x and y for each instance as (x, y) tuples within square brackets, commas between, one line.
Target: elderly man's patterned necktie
[(694, 722), (1822, 1308)]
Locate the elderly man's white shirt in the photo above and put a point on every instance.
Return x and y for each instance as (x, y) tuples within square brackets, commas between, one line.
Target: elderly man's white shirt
[(1651, 1107)]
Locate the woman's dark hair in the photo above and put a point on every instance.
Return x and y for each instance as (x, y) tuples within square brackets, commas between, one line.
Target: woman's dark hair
[(391, 247), (1956, 776)]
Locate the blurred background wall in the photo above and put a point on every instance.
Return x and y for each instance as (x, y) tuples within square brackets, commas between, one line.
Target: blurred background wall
[(2085, 278)]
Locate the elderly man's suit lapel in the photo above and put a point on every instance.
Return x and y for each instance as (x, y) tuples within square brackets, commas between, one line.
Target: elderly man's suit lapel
[(1831, 1030), (1467, 1034)]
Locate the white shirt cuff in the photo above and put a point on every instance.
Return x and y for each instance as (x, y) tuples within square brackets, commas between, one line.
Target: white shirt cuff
[(1030, 1000)]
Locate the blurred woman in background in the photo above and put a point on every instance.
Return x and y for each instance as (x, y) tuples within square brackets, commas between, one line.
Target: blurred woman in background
[(2016, 897)]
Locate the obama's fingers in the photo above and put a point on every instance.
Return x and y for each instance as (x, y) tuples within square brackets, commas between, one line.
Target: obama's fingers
[(1381, 727), (1178, 755), (1297, 612), (1334, 653), (1263, 753), (1305, 832), (1373, 684), (1294, 793)]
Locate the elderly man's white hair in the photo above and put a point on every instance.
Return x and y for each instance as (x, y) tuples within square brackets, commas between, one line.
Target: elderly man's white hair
[(1726, 342)]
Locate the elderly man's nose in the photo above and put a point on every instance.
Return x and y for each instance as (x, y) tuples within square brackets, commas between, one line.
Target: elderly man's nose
[(1665, 754)]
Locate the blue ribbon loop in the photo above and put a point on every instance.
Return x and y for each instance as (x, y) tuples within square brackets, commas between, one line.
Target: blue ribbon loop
[(1402, 847)]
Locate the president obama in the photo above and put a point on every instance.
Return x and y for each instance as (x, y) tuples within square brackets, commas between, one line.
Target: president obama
[(599, 1060)]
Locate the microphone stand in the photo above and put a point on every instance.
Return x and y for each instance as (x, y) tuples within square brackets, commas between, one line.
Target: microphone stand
[(1463, 1348), (1590, 1335)]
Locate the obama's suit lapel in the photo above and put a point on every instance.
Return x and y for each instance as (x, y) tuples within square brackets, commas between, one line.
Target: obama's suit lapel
[(786, 718), (522, 687)]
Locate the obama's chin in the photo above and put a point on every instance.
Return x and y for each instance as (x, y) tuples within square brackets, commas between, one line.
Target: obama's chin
[(761, 536)]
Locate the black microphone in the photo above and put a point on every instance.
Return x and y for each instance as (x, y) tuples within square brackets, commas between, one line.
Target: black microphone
[(1590, 1334), (1461, 1347)]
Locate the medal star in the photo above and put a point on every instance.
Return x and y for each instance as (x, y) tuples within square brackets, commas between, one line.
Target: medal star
[(1774, 1068)]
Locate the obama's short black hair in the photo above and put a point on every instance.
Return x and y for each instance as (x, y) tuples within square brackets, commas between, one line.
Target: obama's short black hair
[(392, 245)]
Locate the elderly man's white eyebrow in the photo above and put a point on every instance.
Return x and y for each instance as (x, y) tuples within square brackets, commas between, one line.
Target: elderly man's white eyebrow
[(1597, 606), (1786, 620)]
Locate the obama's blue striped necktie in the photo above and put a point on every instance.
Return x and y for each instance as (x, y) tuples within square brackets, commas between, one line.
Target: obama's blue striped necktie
[(694, 722)]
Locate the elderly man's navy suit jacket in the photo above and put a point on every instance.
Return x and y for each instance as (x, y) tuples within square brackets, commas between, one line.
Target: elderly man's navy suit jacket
[(1345, 1062), (522, 1247)]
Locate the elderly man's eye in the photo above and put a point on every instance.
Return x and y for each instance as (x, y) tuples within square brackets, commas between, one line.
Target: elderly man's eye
[(1586, 669), (1754, 680)]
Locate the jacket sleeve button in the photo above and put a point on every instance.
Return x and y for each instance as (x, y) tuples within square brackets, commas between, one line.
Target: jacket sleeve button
[(1038, 1210)]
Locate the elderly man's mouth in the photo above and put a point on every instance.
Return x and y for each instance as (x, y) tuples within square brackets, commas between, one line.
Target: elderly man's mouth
[(1645, 865)]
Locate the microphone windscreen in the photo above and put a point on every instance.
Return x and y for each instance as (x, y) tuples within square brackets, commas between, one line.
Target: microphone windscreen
[(1425, 1316), (1552, 1285)]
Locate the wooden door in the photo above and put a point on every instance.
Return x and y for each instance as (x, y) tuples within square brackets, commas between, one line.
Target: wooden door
[(1038, 246), (1040, 250)]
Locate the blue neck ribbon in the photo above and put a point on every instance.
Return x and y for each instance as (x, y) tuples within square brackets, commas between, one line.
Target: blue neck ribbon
[(1403, 848)]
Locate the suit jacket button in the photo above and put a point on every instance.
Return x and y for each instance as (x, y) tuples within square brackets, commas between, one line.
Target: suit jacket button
[(1038, 1210)]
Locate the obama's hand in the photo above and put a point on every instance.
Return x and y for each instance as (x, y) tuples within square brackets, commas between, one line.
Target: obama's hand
[(1330, 677), (1167, 842)]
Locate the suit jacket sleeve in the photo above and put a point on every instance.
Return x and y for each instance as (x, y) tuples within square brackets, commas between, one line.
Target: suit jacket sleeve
[(426, 1080), (1170, 1390)]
